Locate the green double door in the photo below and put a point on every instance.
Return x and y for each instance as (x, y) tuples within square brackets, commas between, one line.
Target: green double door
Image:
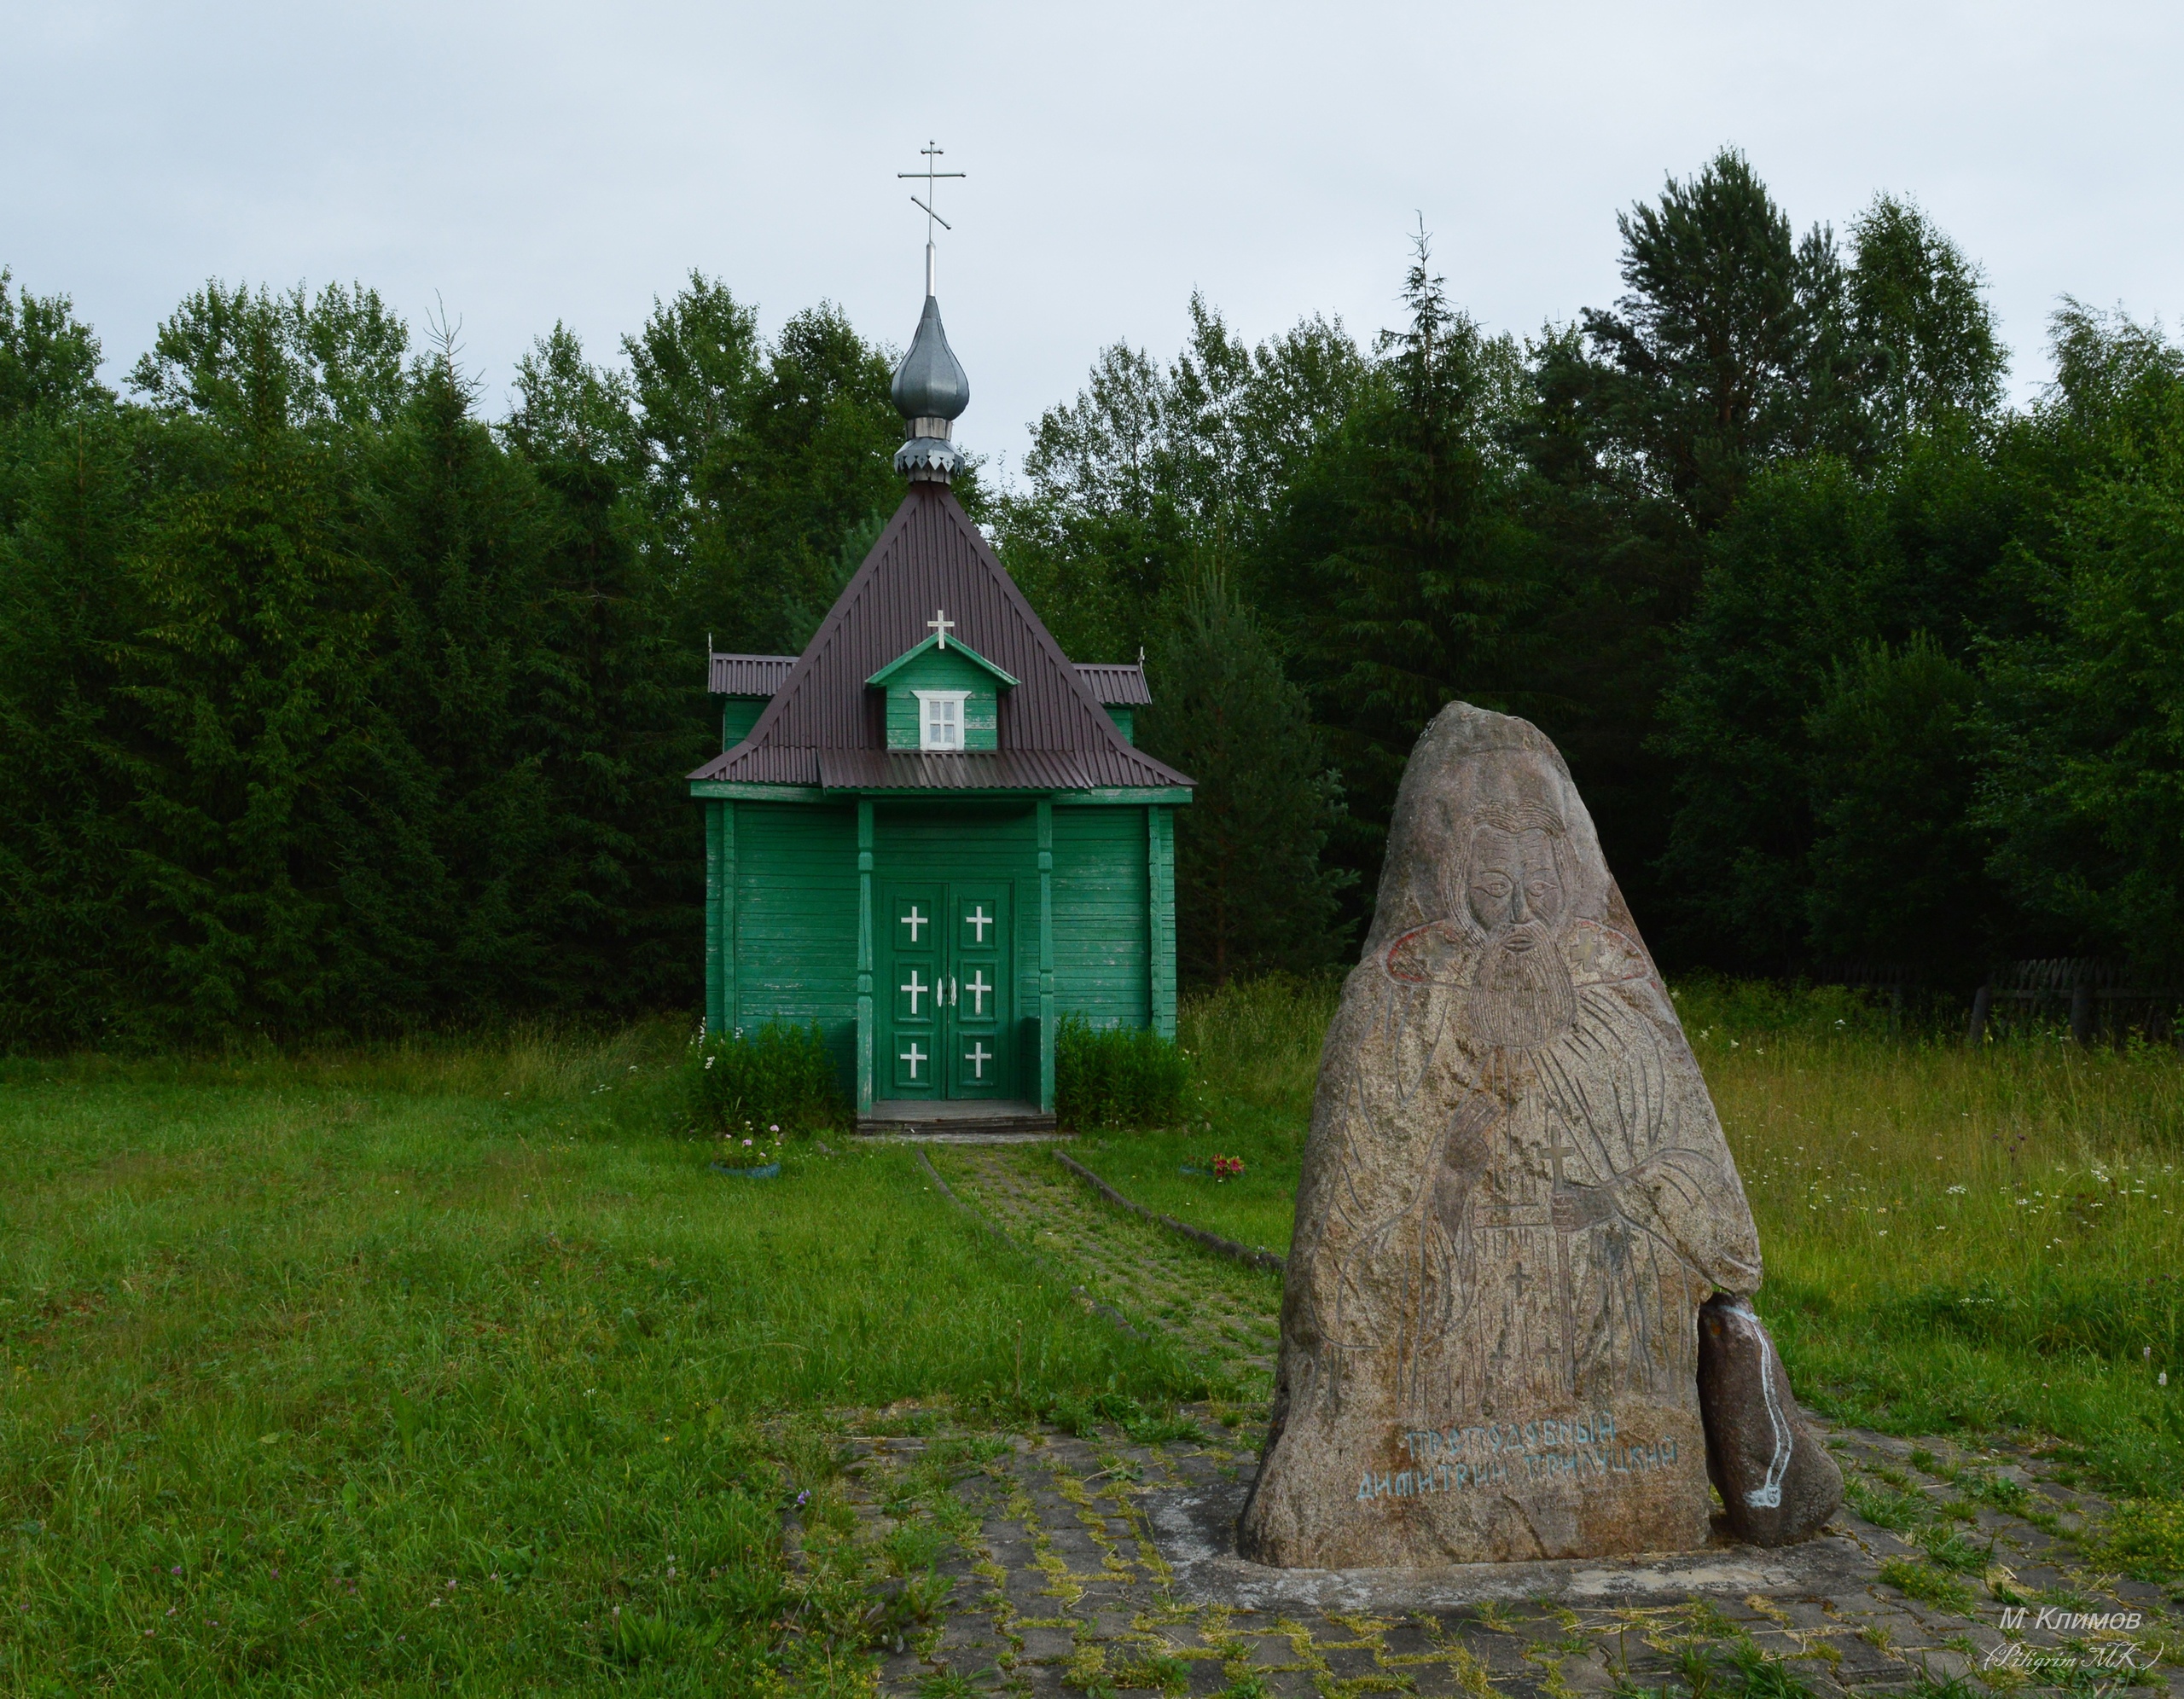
[(948, 992)]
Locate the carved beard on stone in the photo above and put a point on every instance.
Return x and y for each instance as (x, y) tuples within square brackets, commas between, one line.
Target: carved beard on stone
[(1521, 997)]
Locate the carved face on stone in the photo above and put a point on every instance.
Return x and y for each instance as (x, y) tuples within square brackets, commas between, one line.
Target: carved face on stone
[(1514, 894), (1514, 890)]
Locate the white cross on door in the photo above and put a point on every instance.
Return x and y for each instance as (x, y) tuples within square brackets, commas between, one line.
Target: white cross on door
[(914, 920), (979, 919), (917, 988), (978, 989), (913, 1056), (978, 1056)]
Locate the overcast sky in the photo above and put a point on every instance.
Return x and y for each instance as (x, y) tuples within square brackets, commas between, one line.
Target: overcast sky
[(528, 162)]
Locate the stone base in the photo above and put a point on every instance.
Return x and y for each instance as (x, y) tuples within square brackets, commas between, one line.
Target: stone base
[(1195, 1530)]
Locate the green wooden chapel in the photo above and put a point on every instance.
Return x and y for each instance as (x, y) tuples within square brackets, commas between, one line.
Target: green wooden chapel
[(930, 833)]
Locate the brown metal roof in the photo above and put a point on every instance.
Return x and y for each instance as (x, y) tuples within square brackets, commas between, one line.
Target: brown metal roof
[(1115, 687), (748, 675), (1053, 731), (1014, 769)]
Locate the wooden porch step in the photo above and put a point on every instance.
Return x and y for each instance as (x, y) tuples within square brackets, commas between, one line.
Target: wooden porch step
[(978, 1122)]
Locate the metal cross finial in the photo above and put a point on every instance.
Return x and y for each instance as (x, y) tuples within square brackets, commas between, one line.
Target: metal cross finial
[(940, 625), (932, 154)]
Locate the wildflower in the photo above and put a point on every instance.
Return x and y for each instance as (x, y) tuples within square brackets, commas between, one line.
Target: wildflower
[(710, 1060), (803, 1495), (1956, 1191), (775, 1129), (2165, 1378)]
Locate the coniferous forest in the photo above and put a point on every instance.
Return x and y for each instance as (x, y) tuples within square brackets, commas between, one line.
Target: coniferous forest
[(329, 705)]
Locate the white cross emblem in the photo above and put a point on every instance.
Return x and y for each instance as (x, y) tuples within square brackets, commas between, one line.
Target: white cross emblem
[(914, 920), (940, 625), (917, 988), (979, 919), (913, 1056), (978, 989), (978, 1056)]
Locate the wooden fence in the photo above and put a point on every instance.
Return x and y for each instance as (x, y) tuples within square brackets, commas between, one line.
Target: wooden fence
[(2094, 994)]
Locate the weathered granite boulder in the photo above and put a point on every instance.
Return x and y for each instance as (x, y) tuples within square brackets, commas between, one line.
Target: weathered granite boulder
[(1778, 1484), (1515, 1198)]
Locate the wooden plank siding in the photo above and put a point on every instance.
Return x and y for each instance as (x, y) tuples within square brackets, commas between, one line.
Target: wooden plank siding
[(795, 925), (1102, 962)]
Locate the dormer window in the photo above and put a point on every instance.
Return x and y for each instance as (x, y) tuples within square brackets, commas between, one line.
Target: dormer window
[(940, 720)]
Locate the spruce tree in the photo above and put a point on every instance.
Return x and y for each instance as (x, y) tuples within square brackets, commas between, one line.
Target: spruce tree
[(1251, 892)]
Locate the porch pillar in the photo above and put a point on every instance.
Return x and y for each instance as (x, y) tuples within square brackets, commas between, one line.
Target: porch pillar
[(864, 1022), (720, 908), (1046, 955), (1160, 900)]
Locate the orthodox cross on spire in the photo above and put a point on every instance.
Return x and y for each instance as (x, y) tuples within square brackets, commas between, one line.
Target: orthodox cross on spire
[(931, 176)]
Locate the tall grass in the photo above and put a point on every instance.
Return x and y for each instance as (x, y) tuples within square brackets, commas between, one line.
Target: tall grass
[(408, 1366), (1985, 1238)]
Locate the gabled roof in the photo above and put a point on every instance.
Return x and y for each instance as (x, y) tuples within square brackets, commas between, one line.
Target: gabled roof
[(747, 675), (821, 728), (1116, 686), (933, 644)]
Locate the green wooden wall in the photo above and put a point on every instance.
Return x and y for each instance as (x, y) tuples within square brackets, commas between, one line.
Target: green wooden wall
[(783, 894), (1101, 940), (793, 924), (738, 714)]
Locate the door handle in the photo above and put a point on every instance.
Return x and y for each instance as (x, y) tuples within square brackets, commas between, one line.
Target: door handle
[(951, 990)]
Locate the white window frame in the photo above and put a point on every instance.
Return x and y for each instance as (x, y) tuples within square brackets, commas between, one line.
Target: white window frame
[(927, 701)]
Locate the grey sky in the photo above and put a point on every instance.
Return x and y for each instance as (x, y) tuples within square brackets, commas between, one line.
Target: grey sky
[(530, 162)]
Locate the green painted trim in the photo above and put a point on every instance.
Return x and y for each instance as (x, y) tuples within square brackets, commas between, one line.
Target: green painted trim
[(1125, 721), (1160, 893), (932, 642), (1046, 820), (864, 1009), (1172, 796), (716, 895), (731, 791)]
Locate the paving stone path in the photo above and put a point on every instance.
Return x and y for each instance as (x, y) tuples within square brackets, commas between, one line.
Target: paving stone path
[(1157, 1279), (1092, 1562)]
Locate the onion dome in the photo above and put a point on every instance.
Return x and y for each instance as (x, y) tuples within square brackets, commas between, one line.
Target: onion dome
[(930, 392)]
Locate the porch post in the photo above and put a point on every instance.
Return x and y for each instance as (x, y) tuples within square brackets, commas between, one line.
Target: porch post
[(1046, 955), (711, 810), (1160, 902), (723, 940), (864, 1035)]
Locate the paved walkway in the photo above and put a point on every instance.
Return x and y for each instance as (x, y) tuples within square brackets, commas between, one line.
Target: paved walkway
[(1093, 1564)]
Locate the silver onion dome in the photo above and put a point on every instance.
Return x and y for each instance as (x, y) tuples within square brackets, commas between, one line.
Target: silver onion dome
[(930, 392)]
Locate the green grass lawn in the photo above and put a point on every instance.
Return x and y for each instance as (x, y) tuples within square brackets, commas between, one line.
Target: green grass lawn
[(450, 1369), (422, 1370)]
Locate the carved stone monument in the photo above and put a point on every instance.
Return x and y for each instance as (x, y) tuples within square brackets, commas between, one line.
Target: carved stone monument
[(1515, 1199)]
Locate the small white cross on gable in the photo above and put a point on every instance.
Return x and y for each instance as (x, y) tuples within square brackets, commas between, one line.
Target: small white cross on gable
[(940, 625)]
